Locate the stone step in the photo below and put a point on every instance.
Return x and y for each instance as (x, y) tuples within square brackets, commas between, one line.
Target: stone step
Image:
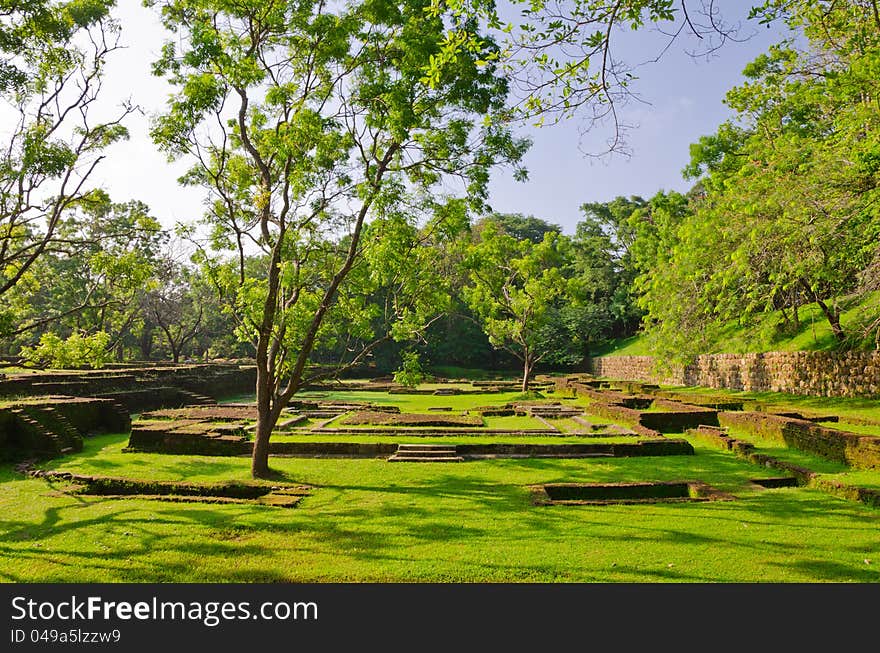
[(196, 399), (424, 459), (322, 414), (425, 453), (567, 412), (440, 453)]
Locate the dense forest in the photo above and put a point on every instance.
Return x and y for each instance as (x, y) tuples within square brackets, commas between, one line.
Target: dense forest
[(322, 142)]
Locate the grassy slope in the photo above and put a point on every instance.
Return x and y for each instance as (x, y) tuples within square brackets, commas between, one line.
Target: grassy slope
[(368, 520), (762, 336)]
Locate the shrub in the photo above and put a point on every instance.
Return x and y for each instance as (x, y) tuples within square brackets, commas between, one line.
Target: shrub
[(76, 352), (410, 374)]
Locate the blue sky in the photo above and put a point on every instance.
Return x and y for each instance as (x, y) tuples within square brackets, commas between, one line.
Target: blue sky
[(682, 100)]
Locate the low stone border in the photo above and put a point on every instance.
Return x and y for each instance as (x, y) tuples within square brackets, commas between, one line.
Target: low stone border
[(719, 437), (220, 446), (805, 477), (282, 496), (661, 447), (632, 410), (869, 496), (567, 494), (854, 449)]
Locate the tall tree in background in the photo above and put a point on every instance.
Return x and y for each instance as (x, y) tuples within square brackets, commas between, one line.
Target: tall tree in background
[(104, 257), (521, 227), (320, 144), (515, 290), (174, 307), (605, 269), (789, 212), (52, 56)]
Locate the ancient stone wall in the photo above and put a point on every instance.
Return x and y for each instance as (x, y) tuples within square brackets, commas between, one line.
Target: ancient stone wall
[(213, 380), (828, 374)]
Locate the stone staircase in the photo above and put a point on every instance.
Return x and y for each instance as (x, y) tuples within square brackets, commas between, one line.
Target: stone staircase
[(65, 434), (551, 411), (195, 399), (41, 439), (425, 453), (121, 415)]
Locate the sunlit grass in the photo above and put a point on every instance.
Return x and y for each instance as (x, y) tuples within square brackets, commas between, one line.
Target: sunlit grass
[(761, 333), (863, 429), (368, 520), (413, 436), (858, 407)]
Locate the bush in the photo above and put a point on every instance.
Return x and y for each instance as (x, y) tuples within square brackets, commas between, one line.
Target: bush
[(410, 374), (76, 352)]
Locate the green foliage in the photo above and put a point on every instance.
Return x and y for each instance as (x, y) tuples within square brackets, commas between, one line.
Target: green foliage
[(75, 352), (604, 270), (515, 289), (786, 212), (522, 227), (410, 372), (769, 331), (52, 60), (95, 281), (327, 187)]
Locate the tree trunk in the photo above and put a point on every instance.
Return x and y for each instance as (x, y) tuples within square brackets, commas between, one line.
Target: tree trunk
[(260, 460), (267, 414), (145, 343), (266, 419), (831, 314), (527, 372), (833, 317)]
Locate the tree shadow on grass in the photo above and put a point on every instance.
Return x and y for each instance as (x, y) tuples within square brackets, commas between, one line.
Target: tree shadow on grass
[(833, 572), (138, 529), (373, 524)]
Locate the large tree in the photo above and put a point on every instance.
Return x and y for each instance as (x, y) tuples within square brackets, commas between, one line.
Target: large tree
[(52, 59), (174, 307), (515, 290), (104, 257), (787, 209), (605, 268), (789, 213), (321, 144)]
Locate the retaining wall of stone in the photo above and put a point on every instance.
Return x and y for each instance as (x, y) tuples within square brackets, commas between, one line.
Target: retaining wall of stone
[(824, 374), (212, 380), (862, 451)]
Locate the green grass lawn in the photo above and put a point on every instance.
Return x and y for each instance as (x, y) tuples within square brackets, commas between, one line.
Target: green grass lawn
[(514, 423), (368, 520), (863, 429), (567, 425)]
